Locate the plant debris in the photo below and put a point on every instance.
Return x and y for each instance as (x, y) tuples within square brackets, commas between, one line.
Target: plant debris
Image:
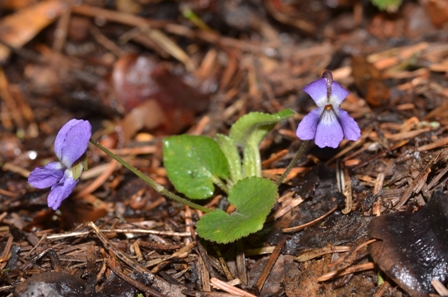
[(139, 71), (411, 247)]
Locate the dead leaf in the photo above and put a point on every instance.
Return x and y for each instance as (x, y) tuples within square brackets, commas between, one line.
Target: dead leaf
[(369, 81), (412, 250), (151, 97), (437, 11), (52, 284), (19, 28)]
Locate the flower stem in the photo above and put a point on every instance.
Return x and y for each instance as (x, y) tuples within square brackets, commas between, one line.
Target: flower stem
[(158, 187), (252, 160), (293, 162), (220, 184)]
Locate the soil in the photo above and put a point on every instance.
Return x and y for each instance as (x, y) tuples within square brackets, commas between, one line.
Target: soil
[(366, 219)]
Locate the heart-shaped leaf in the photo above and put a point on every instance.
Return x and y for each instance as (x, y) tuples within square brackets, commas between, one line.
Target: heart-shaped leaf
[(253, 126), (253, 198), (248, 132), (193, 164)]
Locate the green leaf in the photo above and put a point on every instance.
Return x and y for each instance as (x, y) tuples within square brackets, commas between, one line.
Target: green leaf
[(193, 164), (255, 125), (253, 198), (230, 150), (248, 132), (388, 5)]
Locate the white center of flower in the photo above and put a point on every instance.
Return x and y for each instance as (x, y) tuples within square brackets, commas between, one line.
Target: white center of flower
[(68, 173), (329, 115)]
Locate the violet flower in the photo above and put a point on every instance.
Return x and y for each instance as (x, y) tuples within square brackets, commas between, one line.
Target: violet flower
[(69, 146), (327, 124)]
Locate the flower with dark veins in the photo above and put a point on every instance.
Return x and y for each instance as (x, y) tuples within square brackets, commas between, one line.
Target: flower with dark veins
[(70, 145), (327, 124)]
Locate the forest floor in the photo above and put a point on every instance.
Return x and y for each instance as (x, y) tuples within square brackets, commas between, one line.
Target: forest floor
[(365, 219)]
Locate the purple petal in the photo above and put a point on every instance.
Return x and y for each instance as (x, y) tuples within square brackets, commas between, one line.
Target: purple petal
[(307, 127), (45, 177), (62, 134), (61, 191), (338, 93), (329, 131), (72, 140), (318, 91), (349, 126)]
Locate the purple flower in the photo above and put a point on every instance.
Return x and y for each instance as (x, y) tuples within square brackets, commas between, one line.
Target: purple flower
[(327, 124), (69, 146)]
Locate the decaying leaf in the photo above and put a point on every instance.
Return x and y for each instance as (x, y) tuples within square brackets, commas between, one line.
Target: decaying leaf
[(19, 28), (151, 97), (412, 250), (369, 81), (52, 284)]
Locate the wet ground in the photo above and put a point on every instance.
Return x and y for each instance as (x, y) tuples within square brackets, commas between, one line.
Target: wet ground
[(365, 219)]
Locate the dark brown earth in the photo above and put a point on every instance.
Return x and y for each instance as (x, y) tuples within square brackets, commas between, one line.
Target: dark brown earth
[(140, 70)]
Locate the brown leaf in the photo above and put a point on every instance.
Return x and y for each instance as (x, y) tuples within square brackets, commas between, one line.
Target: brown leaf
[(412, 250), (52, 284), (437, 10), (284, 267), (369, 81), (151, 97), (19, 28), (84, 209)]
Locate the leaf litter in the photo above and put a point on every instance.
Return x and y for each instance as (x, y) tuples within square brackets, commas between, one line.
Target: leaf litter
[(137, 241)]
